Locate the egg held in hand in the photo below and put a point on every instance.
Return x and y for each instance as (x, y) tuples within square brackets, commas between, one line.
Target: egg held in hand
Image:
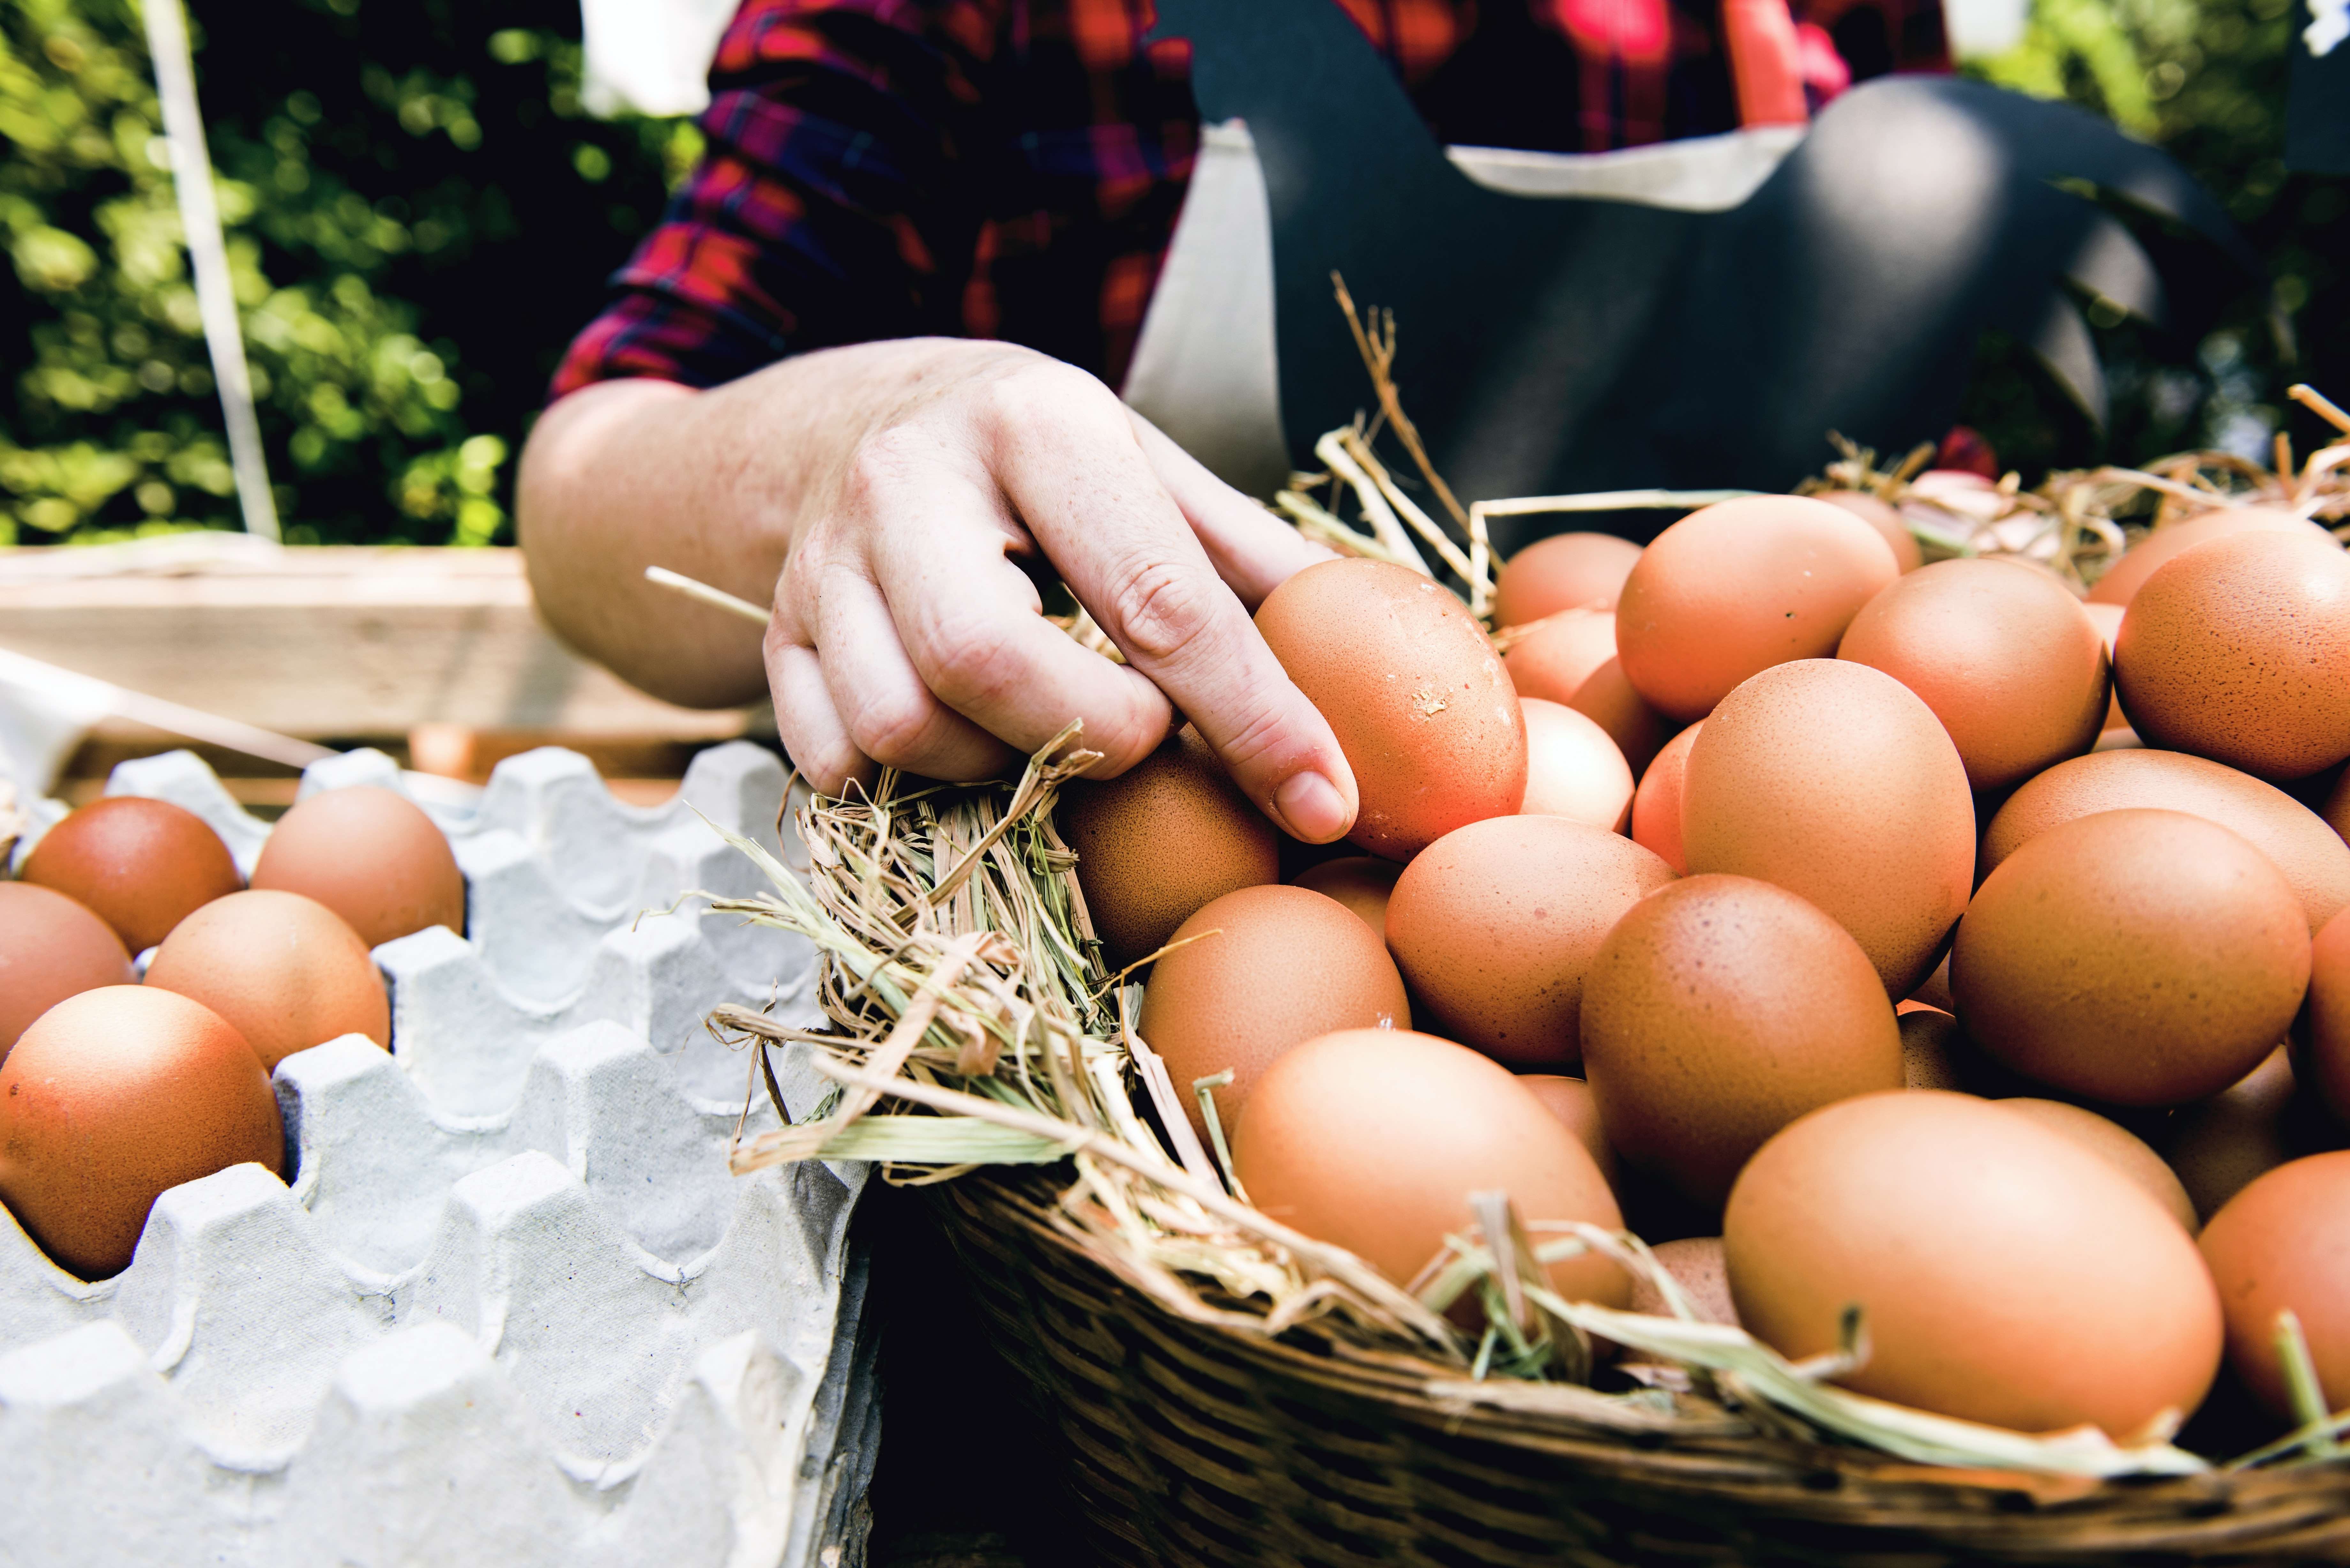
[(2005, 1274), (1494, 924), (112, 1096), (1412, 689), (1374, 1139), (285, 971), (370, 856), (1718, 1011), (1255, 972), (1162, 838), (51, 947), (141, 866)]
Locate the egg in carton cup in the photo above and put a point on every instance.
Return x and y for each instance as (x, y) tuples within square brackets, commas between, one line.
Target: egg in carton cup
[(509, 1304)]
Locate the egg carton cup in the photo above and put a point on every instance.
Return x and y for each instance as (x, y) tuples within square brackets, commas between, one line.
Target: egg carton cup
[(509, 1307)]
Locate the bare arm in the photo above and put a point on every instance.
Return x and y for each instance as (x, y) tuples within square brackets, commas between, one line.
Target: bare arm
[(882, 497)]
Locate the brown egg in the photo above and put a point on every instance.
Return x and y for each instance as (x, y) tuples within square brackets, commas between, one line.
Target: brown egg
[(1569, 1099), (2312, 857), (2219, 1146), (1608, 700), (2107, 619), (2001, 653), (1656, 804), (1161, 840), (1283, 964), (1717, 1012), (370, 856), (2122, 580), (110, 1098), (285, 971), (1361, 882), (2279, 1246), (1933, 1053), (138, 864), (1833, 781), (1373, 1139), (1552, 660), (1934, 990), (1426, 719), (2006, 1274), (2239, 651), (2143, 958), (1560, 572), (1886, 520), (1695, 1262), (50, 947), (1494, 924), (1573, 768), (1737, 587), (2112, 1142), (2321, 1032)]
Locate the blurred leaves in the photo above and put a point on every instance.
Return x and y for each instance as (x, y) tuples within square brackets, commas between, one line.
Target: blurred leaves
[(397, 179), (2204, 79)]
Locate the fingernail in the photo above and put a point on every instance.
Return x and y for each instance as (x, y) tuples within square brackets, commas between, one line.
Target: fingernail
[(1312, 807)]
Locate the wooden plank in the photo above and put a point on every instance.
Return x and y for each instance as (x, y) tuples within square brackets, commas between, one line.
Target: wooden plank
[(328, 641)]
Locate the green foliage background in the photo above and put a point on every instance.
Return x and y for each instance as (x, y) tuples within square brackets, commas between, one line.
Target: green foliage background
[(421, 213)]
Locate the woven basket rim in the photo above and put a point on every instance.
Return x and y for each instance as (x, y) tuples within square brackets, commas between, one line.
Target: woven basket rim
[(2296, 1511)]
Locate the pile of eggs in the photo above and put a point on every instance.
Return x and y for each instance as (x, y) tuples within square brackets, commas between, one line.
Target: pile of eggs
[(112, 1089), (1861, 931)]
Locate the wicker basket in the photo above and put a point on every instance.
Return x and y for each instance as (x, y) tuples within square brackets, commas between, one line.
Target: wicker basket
[(1187, 1444)]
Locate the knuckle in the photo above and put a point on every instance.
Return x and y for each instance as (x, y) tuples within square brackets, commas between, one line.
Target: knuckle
[(1160, 612), (967, 658), (895, 729), (1035, 395)]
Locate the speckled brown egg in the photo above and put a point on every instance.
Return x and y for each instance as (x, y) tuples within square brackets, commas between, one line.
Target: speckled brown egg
[(50, 947), (1363, 883), (1695, 1263), (2005, 1274), (2003, 655), (1573, 768), (1933, 1054), (1161, 840), (2280, 1245), (2239, 651), (2122, 580), (1718, 1011), (1494, 924), (1569, 1099), (370, 856), (113, 1096), (1372, 1140), (1657, 803), (2219, 1146), (1835, 782), (2141, 958), (2313, 857), (2112, 1142), (285, 971), (1271, 966), (138, 864), (1412, 689), (1560, 572), (1737, 587), (1890, 525)]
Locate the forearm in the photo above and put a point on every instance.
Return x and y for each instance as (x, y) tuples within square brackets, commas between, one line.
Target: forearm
[(627, 474)]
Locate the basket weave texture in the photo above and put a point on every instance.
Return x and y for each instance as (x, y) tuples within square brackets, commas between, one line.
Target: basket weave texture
[(1187, 1444)]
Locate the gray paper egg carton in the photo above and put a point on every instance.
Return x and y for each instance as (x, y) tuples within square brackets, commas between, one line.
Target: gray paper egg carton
[(512, 1309)]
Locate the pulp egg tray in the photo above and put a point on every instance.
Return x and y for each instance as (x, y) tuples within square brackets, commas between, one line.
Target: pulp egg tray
[(510, 1308)]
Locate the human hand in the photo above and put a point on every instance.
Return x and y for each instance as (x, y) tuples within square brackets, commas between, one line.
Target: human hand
[(907, 632)]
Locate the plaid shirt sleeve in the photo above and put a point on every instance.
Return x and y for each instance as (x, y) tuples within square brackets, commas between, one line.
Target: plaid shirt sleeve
[(832, 181)]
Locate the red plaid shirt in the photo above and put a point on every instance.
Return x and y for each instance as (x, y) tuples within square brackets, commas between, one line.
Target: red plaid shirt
[(1012, 169)]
